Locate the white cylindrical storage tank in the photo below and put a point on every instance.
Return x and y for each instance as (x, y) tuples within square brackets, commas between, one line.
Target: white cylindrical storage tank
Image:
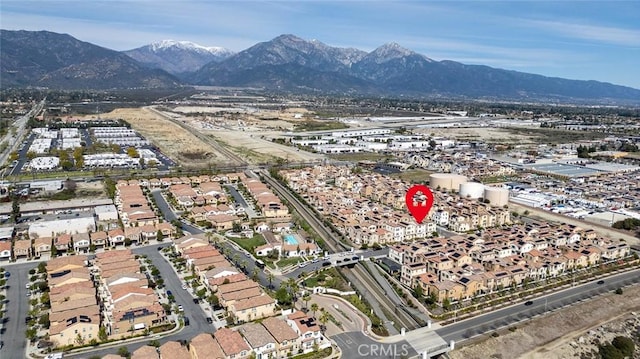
[(472, 190), (446, 181), (497, 196)]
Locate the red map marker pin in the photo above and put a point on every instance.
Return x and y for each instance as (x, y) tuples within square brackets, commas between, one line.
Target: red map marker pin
[(419, 200)]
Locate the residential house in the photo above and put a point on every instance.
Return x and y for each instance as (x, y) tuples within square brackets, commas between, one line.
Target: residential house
[(259, 339), (286, 338), (81, 242), (252, 308), (232, 344), (308, 331), (62, 242), (145, 352), (173, 350), (22, 248), (42, 245), (204, 346)]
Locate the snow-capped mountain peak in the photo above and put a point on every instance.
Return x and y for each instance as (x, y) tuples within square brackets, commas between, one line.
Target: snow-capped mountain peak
[(187, 45)]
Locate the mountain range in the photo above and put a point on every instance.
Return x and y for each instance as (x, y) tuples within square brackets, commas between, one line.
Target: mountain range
[(177, 57), (285, 63)]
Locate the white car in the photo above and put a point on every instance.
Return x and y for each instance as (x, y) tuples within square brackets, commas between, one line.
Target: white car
[(180, 309), (184, 285)]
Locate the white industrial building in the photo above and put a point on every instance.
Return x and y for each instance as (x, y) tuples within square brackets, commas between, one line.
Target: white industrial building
[(408, 145), (40, 145), (337, 149), (309, 142), (147, 154), (359, 133), (114, 160), (46, 186), (70, 132), (44, 163), (60, 226), (43, 132), (70, 143), (372, 146), (106, 213)]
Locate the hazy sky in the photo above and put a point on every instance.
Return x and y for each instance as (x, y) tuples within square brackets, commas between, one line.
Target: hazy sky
[(586, 40)]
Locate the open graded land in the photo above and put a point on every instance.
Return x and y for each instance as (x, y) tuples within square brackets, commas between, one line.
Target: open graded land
[(572, 332), (174, 141)]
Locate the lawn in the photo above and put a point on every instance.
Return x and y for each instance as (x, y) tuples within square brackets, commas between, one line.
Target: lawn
[(249, 244), (414, 176), (365, 156), (325, 125), (329, 278), (288, 261)]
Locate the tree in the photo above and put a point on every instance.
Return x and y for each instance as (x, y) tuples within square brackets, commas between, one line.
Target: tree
[(418, 292), (237, 227), (79, 339), (314, 308), (155, 343), (15, 207), (102, 334), (293, 288), (283, 297), (42, 267), (271, 277), (324, 318), (78, 158), (306, 298), (254, 274), (624, 345), (44, 321), (31, 333), (608, 351), (132, 152), (124, 352)]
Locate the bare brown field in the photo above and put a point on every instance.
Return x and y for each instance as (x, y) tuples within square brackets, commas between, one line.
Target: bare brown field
[(173, 140), (556, 336)]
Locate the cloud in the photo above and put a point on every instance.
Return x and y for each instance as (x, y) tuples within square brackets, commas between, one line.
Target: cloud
[(604, 34)]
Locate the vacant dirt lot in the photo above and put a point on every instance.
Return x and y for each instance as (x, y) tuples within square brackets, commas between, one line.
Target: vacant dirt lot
[(567, 333), (172, 140), (485, 134)]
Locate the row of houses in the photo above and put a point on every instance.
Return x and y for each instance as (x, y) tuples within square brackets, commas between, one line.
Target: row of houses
[(239, 295), (462, 267), (75, 313), (82, 242), (268, 203), (128, 304), (273, 338), (370, 208), (166, 182)]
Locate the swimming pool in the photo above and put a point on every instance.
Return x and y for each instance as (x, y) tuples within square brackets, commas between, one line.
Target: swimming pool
[(290, 239)]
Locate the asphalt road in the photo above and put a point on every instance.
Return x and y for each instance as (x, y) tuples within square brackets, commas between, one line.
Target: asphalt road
[(357, 345), (16, 309), (197, 317), (466, 329)]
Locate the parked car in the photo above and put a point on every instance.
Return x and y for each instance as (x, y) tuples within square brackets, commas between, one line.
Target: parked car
[(180, 308), (209, 320), (529, 302), (186, 321), (326, 264)]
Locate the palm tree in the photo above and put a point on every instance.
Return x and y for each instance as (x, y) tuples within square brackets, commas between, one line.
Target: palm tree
[(254, 274), (306, 298), (314, 308), (324, 318), (293, 287), (271, 277)]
